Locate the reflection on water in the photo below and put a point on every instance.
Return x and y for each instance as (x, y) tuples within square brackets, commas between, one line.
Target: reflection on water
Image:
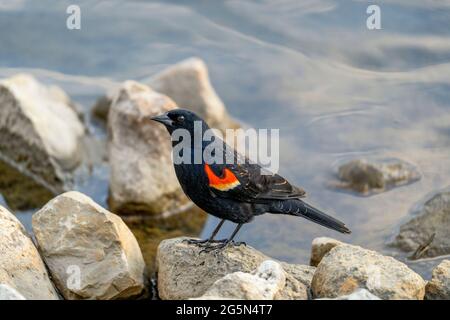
[(310, 68)]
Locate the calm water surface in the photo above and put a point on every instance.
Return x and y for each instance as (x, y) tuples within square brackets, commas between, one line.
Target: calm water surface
[(335, 89)]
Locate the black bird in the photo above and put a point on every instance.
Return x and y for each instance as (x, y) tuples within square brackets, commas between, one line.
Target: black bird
[(236, 192)]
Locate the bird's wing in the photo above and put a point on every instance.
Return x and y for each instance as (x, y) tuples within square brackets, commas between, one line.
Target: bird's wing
[(245, 182)]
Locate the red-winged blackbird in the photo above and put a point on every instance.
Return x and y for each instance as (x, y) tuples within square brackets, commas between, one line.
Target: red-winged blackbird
[(236, 192)]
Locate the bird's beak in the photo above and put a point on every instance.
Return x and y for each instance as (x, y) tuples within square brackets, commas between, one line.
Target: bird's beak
[(164, 119)]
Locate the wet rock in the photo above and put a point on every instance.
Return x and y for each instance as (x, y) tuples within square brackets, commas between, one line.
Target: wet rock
[(262, 284), (359, 294), (184, 272), (346, 268), (40, 132), (439, 286), (8, 293), (12, 186), (188, 84), (320, 247), (430, 218), (89, 251), (21, 267), (376, 176), (142, 175)]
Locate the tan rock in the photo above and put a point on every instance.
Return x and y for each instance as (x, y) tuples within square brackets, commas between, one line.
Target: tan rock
[(320, 247), (89, 251), (262, 284), (184, 272), (143, 179), (188, 84), (21, 267), (346, 268), (439, 286)]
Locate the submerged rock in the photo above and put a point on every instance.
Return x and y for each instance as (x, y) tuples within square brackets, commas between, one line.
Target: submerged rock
[(9, 293), (12, 186), (142, 179), (184, 272), (89, 251), (429, 228), (262, 284), (346, 268), (40, 131), (366, 177), (21, 267), (188, 84), (320, 247), (439, 286), (359, 294)]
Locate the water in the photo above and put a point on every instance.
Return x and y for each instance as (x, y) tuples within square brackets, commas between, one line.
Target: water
[(335, 89)]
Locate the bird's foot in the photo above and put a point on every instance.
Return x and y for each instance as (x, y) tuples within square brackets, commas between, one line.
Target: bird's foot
[(215, 247), (222, 245)]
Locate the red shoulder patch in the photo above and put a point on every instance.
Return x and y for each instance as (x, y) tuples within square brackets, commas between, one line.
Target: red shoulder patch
[(226, 182)]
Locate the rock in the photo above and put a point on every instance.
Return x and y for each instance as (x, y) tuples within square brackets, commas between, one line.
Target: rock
[(8, 293), (101, 107), (359, 294), (348, 267), (363, 176), (262, 284), (188, 84), (430, 218), (21, 267), (184, 272), (142, 175), (439, 286), (40, 132), (320, 247), (89, 251)]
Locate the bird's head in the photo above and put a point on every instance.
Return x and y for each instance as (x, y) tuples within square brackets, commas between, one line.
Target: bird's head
[(180, 119)]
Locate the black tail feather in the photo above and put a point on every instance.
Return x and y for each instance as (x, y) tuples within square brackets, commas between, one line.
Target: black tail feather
[(299, 208)]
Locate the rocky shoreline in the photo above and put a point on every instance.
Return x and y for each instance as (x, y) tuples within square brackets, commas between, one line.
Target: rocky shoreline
[(80, 250), (83, 251)]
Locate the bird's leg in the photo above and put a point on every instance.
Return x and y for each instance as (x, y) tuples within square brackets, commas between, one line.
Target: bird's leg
[(211, 238), (225, 244)]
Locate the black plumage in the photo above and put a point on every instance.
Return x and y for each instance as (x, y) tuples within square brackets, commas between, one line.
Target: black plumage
[(239, 191)]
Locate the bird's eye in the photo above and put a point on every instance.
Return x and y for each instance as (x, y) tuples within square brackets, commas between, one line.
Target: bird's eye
[(180, 119)]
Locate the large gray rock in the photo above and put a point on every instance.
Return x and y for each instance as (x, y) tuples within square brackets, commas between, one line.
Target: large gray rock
[(430, 218), (21, 267), (346, 268), (40, 132), (320, 247), (262, 284), (89, 251), (439, 286), (8, 293), (143, 179), (184, 272), (368, 177), (188, 84)]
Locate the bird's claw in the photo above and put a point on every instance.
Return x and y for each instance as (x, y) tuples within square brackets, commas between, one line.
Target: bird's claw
[(221, 246)]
